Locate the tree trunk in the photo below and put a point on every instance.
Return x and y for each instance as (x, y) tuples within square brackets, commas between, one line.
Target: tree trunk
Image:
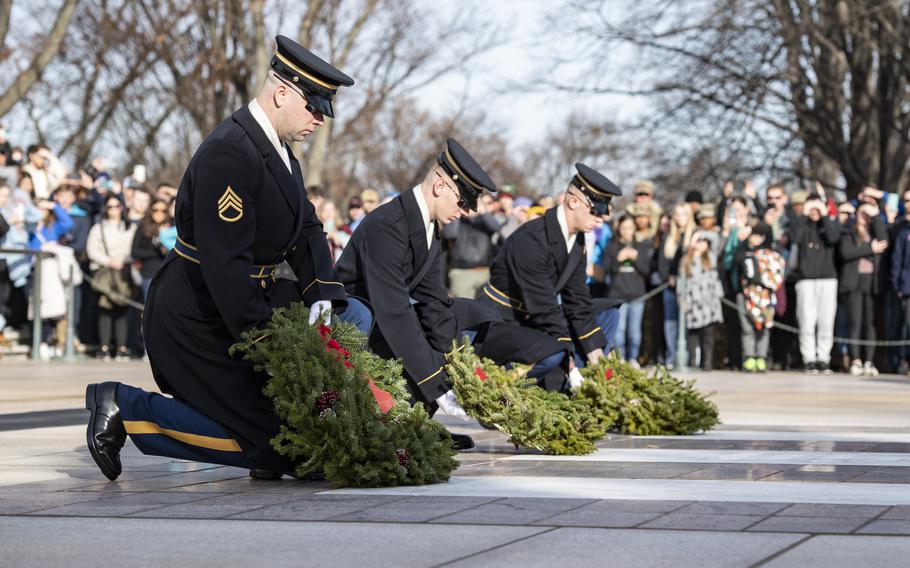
[(320, 149), (24, 81), (6, 6), (260, 55)]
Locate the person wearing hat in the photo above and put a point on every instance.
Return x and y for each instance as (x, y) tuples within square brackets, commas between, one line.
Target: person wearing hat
[(694, 200), (647, 219), (394, 261), (241, 210), (538, 278), (707, 217), (643, 191)]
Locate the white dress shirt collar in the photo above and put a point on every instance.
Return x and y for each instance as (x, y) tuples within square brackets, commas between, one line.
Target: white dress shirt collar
[(425, 213), (564, 227), (270, 131)]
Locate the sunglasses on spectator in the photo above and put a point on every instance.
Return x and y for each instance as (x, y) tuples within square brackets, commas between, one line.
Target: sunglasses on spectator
[(159, 210)]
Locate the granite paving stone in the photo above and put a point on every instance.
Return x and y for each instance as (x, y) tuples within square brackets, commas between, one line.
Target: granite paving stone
[(808, 524), (514, 511), (316, 507), (830, 510), (828, 551), (214, 507), (677, 520), (188, 542), (886, 527), (26, 503), (745, 472), (884, 476), (634, 547), (613, 513), (730, 508), (606, 519), (120, 505), (415, 509), (898, 513), (167, 482)]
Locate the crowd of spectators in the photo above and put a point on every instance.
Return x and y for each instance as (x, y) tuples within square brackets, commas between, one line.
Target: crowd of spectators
[(702, 282), (105, 237)]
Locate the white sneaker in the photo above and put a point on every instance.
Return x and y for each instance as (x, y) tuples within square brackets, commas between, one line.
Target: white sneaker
[(869, 369), (634, 364), (856, 368)]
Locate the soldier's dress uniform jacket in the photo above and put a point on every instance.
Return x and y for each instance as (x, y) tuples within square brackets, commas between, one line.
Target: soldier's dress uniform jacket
[(240, 213), (388, 263), (536, 282)]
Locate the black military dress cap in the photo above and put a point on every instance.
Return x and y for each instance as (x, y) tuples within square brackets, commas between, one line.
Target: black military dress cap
[(318, 80), (596, 187), (467, 174)]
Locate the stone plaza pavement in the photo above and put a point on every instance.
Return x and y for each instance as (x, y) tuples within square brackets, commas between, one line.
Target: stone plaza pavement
[(805, 471)]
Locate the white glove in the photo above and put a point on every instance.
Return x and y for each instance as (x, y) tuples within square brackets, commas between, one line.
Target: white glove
[(322, 307), (575, 378), (448, 404)]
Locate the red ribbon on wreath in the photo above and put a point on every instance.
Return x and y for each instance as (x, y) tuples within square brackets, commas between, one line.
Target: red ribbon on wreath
[(608, 374), (478, 372), (383, 398)]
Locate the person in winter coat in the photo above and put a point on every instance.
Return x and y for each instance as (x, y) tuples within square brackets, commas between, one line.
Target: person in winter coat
[(670, 251), (147, 250), (814, 238), (628, 262), (860, 283), (52, 227), (109, 246), (761, 273), (900, 262), (700, 297)]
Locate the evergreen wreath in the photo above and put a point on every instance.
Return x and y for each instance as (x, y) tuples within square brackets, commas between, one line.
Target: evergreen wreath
[(614, 397), (512, 403), (344, 410), (634, 401)]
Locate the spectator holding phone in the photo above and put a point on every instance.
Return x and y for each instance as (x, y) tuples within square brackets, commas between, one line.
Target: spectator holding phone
[(815, 237), (861, 249)]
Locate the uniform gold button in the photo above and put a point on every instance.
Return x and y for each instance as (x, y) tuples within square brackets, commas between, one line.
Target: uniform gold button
[(263, 284)]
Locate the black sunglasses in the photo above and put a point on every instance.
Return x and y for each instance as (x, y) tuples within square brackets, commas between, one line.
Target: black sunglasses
[(462, 202), (302, 92), (597, 208)]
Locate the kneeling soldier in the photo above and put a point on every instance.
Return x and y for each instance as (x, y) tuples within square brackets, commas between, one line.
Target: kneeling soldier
[(537, 279), (241, 210)]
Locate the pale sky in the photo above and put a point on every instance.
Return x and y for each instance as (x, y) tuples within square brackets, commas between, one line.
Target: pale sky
[(525, 115)]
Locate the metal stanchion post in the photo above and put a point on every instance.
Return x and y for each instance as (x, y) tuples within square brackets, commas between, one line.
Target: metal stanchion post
[(682, 357), (36, 309), (70, 353)]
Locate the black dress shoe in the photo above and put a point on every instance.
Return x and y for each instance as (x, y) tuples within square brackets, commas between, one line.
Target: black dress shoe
[(105, 434), (461, 442), (266, 474)]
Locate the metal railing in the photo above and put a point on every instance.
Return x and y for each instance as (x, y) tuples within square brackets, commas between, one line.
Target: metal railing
[(36, 297)]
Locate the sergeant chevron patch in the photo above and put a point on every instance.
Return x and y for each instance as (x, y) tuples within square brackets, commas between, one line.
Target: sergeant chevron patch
[(230, 206)]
